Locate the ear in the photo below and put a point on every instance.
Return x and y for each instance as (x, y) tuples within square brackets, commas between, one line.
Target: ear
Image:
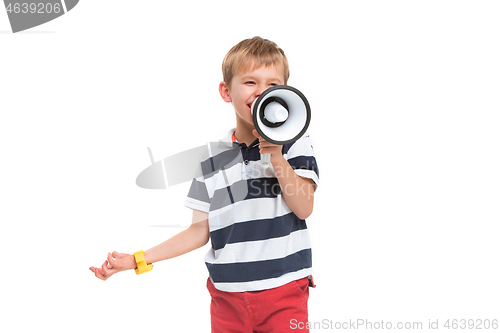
[(224, 92)]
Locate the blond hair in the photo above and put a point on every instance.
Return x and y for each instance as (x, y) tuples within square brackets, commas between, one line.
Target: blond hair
[(255, 51)]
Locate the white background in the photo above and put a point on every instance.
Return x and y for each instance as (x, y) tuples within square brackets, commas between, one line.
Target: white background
[(405, 102)]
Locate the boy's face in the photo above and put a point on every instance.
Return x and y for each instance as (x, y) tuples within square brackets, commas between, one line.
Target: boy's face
[(247, 86)]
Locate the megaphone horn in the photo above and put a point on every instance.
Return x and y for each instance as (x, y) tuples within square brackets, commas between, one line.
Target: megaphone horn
[(281, 115)]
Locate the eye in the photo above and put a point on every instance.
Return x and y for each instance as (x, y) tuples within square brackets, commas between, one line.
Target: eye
[(250, 82)]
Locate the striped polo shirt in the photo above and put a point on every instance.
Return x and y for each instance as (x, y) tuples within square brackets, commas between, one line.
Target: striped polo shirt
[(257, 241)]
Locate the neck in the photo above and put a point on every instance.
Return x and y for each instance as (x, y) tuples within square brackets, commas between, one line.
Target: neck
[(243, 132)]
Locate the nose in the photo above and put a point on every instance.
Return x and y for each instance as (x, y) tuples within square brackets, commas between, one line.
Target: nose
[(260, 89)]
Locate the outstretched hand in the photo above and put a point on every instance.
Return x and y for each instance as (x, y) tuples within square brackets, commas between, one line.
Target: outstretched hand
[(116, 262)]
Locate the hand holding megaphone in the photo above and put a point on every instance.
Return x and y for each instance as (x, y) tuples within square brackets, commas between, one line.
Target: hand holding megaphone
[(281, 115)]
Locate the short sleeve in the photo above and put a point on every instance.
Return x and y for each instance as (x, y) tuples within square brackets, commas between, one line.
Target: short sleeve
[(300, 156), (197, 197)]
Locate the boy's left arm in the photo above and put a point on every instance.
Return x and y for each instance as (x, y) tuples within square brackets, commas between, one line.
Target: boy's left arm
[(297, 191)]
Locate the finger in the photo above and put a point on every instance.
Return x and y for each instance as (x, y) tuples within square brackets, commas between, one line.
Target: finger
[(257, 135), (110, 261), (105, 269), (96, 271), (270, 150), (264, 151), (266, 144), (98, 274)]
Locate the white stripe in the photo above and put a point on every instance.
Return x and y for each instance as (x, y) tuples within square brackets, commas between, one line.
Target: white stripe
[(308, 174), (269, 249), (257, 171), (221, 218), (238, 172), (288, 156), (263, 284), (197, 204), (244, 211), (303, 145)]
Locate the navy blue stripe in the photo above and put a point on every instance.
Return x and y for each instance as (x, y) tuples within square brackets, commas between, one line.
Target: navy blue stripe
[(251, 154), (287, 147), (256, 230), (223, 160), (260, 270), (246, 190), (263, 188), (305, 163)]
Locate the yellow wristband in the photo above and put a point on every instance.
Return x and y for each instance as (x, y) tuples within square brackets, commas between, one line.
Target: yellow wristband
[(142, 266)]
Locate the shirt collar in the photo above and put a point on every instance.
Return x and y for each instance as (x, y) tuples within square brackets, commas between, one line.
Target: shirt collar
[(228, 139)]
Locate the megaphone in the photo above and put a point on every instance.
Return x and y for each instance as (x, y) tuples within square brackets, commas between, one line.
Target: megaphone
[(281, 115)]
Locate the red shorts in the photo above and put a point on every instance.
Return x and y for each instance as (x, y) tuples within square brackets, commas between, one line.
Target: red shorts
[(273, 310)]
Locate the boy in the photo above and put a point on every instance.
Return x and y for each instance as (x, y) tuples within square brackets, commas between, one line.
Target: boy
[(260, 261)]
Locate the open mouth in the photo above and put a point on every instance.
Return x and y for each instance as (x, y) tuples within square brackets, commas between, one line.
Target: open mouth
[(250, 104)]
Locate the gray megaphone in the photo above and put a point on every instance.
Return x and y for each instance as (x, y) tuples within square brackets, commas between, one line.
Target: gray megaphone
[(281, 115)]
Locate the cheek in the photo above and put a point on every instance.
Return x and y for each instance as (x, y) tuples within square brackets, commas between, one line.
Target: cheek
[(240, 99)]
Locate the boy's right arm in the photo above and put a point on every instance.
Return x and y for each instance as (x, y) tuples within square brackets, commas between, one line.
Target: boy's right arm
[(188, 240)]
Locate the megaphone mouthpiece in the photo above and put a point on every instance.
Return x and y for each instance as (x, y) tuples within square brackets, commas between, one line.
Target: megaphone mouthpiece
[(276, 113)]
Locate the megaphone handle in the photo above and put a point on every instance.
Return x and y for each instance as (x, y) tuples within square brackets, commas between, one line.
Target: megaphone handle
[(265, 159)]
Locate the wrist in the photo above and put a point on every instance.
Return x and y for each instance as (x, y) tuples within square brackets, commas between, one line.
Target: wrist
[(142, 265), (278, 160), (132, 264), (280, 164)]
